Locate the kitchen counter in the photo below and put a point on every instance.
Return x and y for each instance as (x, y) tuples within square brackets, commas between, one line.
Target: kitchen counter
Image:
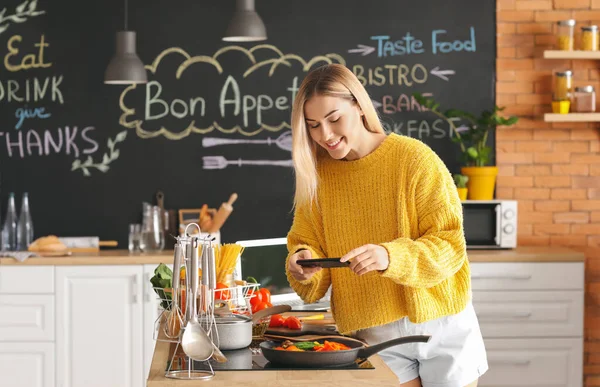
[(381, 376), (123, 257)]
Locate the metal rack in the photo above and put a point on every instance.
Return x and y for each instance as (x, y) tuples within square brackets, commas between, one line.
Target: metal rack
[(175, 306)]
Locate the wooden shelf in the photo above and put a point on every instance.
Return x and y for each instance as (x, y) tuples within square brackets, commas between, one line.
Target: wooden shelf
[(561, 54), (572, 117)]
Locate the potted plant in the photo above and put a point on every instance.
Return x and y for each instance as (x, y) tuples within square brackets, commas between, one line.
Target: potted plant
[(472, 137), (461, 185)]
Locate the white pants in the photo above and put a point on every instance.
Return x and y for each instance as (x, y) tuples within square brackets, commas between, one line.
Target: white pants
[(454, 356)]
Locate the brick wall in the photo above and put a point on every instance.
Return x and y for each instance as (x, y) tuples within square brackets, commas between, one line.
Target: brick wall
[(553, 170)]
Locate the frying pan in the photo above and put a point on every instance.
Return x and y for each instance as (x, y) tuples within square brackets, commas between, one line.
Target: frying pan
[(357, 351)]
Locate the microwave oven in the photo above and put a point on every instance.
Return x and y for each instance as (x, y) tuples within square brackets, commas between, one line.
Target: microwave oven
[(490, 224)]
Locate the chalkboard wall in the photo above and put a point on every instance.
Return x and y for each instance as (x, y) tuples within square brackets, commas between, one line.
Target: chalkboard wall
[(90, 153)]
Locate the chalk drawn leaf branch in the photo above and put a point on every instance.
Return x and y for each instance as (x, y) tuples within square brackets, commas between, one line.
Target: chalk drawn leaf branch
[(22, 12), (107, 158), (280, 59)]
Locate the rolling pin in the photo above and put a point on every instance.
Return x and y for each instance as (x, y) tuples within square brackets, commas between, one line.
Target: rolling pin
[(222, 214)]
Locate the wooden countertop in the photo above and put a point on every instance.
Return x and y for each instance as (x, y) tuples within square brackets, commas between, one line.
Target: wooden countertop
[(123, 257), (528, 254), (381, 376), (103, 257)]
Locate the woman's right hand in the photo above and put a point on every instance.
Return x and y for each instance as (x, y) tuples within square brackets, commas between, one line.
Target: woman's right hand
[(298, 272)]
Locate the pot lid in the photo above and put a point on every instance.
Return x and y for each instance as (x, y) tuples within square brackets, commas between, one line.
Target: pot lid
[(229, 319)]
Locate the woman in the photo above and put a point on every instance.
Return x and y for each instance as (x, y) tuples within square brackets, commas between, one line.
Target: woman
[(388, 205)]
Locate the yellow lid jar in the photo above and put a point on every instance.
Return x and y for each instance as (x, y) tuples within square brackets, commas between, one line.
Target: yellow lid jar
[(589, 38), (565, 33)]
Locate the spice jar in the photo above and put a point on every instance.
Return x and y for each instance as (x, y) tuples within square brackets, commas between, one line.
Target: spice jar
[(563, 85), (565, 34), (584, 99), (589, 38)]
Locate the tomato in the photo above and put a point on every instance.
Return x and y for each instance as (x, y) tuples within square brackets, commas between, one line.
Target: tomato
[(277, 320), (266, 295), (222, 294), (293, 323)]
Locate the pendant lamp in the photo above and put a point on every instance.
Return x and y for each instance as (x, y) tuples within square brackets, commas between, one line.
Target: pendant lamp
[(125, 67), (246, 25)]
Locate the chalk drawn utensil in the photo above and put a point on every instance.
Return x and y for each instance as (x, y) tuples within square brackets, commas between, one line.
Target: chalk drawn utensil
[(284, 141), (220, 162)]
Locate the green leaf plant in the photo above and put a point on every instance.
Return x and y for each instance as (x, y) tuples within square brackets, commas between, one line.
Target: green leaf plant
[(472, 136)]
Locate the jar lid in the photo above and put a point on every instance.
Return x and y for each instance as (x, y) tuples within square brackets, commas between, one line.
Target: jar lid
[(569, 22), (566, 73), (589, 28), (585, 89)]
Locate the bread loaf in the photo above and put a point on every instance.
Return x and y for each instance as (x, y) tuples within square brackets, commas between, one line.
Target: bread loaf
[(49, 243)]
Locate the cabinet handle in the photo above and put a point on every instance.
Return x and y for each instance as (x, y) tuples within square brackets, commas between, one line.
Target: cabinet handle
[(135, 291), (148, 291), (513, 315), (521, 363), (508, 277)]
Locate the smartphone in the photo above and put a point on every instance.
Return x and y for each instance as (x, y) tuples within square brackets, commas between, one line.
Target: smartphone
[(322, 262)]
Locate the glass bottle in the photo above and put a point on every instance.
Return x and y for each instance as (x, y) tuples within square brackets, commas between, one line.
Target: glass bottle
[(9, 230), (589, 38), (565, 29), (24, 225), (563, 83)]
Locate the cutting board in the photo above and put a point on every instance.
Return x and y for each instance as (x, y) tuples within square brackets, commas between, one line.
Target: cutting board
[(307, 329)]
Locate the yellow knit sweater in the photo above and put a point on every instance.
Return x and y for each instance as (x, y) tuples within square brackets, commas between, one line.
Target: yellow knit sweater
[(402, 197)]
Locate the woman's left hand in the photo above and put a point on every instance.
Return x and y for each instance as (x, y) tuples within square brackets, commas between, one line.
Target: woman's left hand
[(367, 258)]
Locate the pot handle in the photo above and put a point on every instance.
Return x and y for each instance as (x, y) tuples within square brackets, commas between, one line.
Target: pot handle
[(366, 352)]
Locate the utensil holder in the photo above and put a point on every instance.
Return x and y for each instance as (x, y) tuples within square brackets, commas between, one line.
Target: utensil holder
[(170, 324)]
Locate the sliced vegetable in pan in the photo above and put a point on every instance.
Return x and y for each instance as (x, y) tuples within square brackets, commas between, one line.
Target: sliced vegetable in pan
[(312, 346)]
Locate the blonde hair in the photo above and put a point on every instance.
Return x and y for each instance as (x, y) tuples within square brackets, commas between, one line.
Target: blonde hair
[(330, 80)]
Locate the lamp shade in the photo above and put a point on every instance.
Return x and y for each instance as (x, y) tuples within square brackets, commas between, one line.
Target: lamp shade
[(125, 67), (246, 25)]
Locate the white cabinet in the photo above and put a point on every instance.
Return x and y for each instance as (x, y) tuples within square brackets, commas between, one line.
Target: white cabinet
[(531, 318), (534, 362), (99, 327), (26, 364), (151, 313), (27, 326)]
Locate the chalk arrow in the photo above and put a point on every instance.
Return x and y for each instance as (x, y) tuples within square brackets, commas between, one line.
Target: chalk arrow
[(376, 104), (365, 50), (441, 73)]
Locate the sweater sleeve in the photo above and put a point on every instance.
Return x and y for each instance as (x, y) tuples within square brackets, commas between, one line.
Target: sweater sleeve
[(307, 233), (440, 250)]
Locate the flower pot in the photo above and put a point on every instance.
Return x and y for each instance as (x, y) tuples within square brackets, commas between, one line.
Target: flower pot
[(482, 181), (462, 193)]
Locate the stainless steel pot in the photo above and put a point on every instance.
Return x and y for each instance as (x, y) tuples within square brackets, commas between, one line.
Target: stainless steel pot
[(234, 332)]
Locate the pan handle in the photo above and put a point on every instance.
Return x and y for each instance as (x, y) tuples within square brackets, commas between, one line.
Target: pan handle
[(366, 352)]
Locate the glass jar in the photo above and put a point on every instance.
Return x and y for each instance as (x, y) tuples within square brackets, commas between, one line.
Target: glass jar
[(565, 29), (152, 238), (589, 38), (584, 99), (563, 83)]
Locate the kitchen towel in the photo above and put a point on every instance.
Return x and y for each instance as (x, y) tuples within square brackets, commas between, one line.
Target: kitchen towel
[(18, 255)]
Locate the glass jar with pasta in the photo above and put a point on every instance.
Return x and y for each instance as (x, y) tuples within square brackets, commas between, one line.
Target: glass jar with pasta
[(589, 38), (565, 29), (563, 83), (584, 99)]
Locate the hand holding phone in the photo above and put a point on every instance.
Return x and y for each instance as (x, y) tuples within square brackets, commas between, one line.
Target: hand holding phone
[(322, 262)]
